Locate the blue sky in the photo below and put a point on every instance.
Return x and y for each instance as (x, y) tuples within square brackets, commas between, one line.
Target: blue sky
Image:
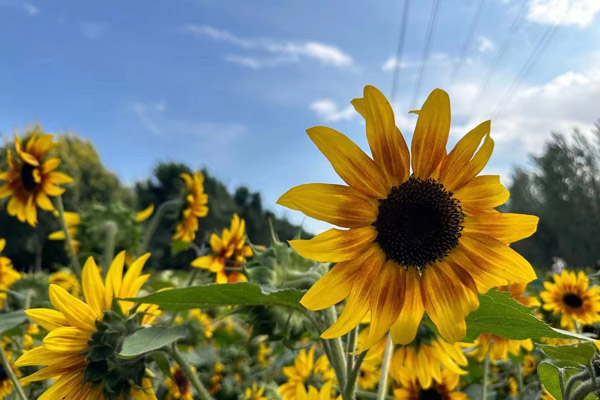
[(233, 85)]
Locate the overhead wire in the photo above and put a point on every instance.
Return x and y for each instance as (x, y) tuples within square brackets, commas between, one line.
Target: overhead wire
[(467, 42), (399, 51)]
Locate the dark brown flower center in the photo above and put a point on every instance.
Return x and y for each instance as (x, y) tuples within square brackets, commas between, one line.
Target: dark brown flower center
[(572, 300), (430, 394), (27, 177), (182, 382), (418, 223)]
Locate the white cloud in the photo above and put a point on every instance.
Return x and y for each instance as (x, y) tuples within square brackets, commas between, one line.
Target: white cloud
[(93, 30), (328, 111), (579, 12), (393, 63), (27, 7), (485, 44), (277, 52)]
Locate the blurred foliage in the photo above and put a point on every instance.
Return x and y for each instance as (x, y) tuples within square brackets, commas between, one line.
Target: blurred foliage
[(563, 189)]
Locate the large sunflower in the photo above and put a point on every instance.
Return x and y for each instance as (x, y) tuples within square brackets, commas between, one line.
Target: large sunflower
[(427, 240), (79, 351), (411, 389), (32, 178), (230, 251), (572, 298), (196, 207)]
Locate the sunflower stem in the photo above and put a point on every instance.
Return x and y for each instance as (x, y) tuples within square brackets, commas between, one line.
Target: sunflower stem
[(63, 222), (337, 359), (520, 374), (187, 370), (385, 368), (353, 376), (574, 379), (111, 229), (156, 221), (583, 390), (486, 373), (11, 374)]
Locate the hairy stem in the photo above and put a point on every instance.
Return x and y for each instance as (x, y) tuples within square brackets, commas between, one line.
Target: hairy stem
[(585, 389), (385, 368), (486, 373), (353, 376), (111, 230), (337, 360), (574, 379), (11, 374), (187, 370), (156, 221)]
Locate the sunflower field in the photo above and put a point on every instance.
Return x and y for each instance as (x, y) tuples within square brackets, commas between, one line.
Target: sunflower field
[(419, 292)]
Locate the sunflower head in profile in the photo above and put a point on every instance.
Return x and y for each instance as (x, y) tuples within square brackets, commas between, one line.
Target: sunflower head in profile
[(229, 252), (426, 358), (32, 177), (66, 280), (411, 389), (571, 297), (196, 207), (179, 386), (80, 350), (305, 371), (498, 348), (422, 233)]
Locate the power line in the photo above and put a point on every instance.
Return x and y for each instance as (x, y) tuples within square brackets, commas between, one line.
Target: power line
[(467, 41), (500, 55), (426, 50), (399, 50), (531, 61)]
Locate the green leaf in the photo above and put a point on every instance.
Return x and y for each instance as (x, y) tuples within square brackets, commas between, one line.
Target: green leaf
[(150, 339), (11, 319), (548, 372), (162, 363), (234, 294), (581, 353), (501, 315), (178, 246)]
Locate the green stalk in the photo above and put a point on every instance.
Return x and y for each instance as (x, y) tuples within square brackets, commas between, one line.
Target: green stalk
[(187, 370), (385, 368), (338, 361), (63, 222), (155, 222), (486, 372), (11, 374), (353, 376), (111, 229), (352, 335), (521, 389)]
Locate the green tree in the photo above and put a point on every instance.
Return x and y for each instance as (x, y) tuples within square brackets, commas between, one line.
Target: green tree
[(563, 189)]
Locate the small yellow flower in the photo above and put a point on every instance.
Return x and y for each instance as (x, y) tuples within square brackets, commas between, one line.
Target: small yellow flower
[(8, 275), (145, 213), (196, 207), (216, 378), (180, 387), (204, 320), (410, 388), (368, 375), (529, 365), (75, 327), (32, 177), (305, 368), (572, 298), (498, 347), (230, 251), (66, 280), (255, 393), (263, 354), (420, 224), (513, 386)]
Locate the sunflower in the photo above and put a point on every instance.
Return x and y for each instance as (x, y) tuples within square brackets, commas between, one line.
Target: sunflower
[(66, 280), (32, 177), (196, 207), (8, 275), (429, 240), (427, 357), (572, 298), (255, 393), (230, 251), (516, 292), (529, 365), (180, 387), (316, 394), (305, 370), (445, 390), (368, 376), (72, 220), (79, 353), (498, 347)]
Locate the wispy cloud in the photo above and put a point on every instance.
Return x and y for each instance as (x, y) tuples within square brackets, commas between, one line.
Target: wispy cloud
[(393, 63), (328, 111), (565, 12), (92, 30), (29, 8), (485, 44), (269, 52)]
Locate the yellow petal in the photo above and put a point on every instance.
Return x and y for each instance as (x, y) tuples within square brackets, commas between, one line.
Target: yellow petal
[(483, 274), (50, 164), (43, 201), (506, 227), (358, 302), (482, 194), (93, 288), (387, 144), (59, 177), (336, 245), (349, 161), (145, 213), (75, 311), (114, 278), (2, 244), (58, 235), (67, 339), (47, 318), (336, 204), (404, 329), (428, 145), (204, 262), (130, 286), (467, 158)]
